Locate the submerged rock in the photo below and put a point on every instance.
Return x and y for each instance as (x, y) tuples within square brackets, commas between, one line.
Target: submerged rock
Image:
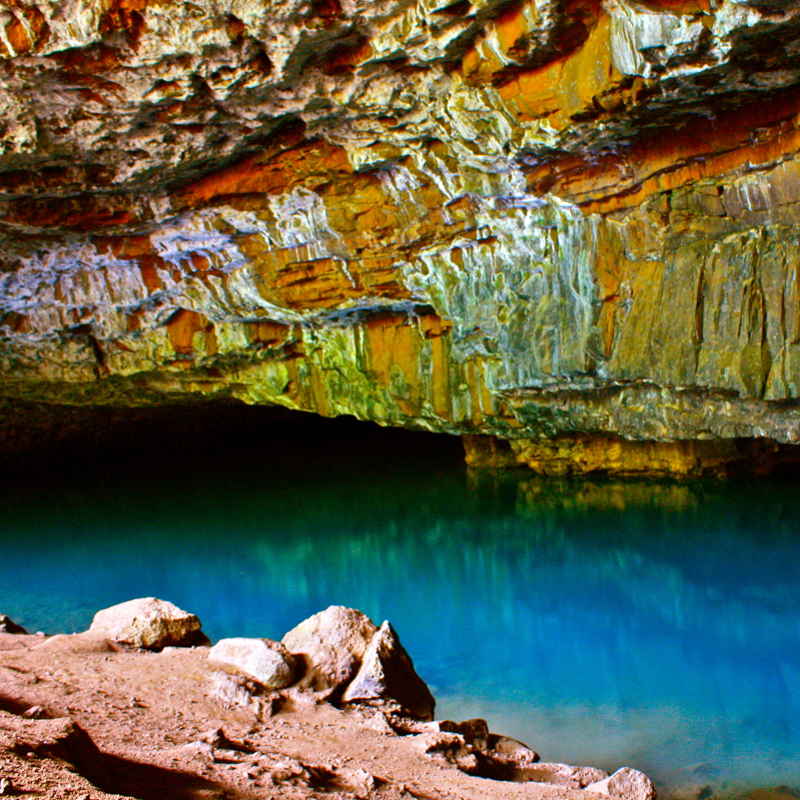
[(267, 662), (149, 623), (387, 672), (332, 642)]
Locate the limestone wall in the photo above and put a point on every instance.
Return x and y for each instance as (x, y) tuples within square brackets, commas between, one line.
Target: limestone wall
[(524, 219)]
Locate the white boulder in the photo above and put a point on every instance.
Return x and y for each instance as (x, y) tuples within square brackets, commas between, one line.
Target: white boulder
[(262, 660), (332, 642), (625, 784), (150, 623)]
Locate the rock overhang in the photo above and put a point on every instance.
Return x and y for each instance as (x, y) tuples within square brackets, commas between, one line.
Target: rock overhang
[(524, 220)]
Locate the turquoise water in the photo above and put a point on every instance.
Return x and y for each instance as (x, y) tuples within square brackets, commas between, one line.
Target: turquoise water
[(656, 625)]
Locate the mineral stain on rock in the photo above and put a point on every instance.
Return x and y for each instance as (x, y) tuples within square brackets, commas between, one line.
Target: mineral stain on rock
[(520, 220)]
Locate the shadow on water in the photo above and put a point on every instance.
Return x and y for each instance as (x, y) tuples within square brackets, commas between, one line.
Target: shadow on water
[(603, 622)]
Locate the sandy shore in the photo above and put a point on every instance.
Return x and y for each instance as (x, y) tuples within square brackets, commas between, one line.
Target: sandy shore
[(83, 717)]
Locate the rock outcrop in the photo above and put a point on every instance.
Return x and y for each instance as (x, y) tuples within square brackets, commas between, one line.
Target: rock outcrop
[(567, 227)]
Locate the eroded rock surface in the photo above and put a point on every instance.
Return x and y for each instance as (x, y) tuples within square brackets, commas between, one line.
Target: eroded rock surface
[(524, 220)]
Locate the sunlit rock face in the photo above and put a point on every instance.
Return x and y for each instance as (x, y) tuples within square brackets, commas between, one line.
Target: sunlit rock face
[(532, 220)]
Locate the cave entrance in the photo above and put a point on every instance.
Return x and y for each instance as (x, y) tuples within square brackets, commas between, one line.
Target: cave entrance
[(183, 438)]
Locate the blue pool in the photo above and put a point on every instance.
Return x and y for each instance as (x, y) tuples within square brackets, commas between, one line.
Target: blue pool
[(656, 625)]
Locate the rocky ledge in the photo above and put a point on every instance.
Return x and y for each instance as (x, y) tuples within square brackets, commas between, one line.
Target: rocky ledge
[(135, 707), (533, 221)]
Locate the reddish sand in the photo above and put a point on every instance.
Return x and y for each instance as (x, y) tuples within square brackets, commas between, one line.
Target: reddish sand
[(82, 718)]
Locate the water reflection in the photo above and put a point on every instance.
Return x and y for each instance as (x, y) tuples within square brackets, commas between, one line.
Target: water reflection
[(654, 624)]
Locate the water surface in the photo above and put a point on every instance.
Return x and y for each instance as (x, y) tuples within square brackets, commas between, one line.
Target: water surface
[(656, 625)]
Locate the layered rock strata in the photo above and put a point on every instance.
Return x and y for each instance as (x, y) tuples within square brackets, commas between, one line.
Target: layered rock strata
[(543, 221)]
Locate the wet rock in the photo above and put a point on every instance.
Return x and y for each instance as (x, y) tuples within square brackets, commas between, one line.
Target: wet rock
[(533, 132), (625, 784), (387, 672), (562, 774), (332, 642), (267, 662), (511, 752), (471, 747), (450, 747), (475, 731), (7, 625), (149, 623)]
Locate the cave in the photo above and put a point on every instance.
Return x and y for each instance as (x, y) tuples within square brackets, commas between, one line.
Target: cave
[(480, 319)]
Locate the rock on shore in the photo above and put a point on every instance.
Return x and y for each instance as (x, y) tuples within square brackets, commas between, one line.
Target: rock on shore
[(266, 662), (386, 671), (148, 622), (333, 643), (109, 719), (7, 625)]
